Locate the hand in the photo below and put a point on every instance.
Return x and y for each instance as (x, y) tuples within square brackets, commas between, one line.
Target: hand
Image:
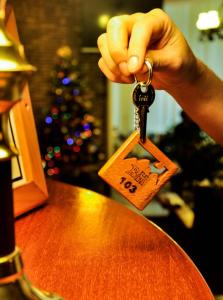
[(132, 38)]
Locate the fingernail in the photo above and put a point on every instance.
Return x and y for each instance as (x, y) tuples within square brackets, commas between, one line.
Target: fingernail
[(133, 63)]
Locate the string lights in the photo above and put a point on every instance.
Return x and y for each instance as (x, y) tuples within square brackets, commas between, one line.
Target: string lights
[(70, 136)]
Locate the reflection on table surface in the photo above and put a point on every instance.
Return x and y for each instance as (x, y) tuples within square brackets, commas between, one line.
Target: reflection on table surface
[(83, 245)]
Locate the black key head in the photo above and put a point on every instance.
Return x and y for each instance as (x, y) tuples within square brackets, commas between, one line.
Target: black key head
[(143, 95)]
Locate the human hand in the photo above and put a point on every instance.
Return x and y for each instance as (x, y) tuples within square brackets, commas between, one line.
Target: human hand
[(130, 39)]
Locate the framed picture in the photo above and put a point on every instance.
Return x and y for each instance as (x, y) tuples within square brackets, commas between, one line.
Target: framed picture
[(29, 185)]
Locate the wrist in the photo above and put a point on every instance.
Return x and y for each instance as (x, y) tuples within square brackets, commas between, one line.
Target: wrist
[(192, 82)]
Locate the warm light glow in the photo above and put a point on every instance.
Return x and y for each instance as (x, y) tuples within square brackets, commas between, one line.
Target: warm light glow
[(7, 65), (103, 20), (208, 20), (3, 153), (3, 40)]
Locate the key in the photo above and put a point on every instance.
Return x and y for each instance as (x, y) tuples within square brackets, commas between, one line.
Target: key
[(143, 97), (138, 179)]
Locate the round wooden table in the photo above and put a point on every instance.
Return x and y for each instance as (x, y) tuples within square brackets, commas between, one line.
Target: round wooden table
[(83, 245)]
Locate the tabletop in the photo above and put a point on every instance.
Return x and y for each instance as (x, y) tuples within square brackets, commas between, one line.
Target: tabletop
[(83, 245)]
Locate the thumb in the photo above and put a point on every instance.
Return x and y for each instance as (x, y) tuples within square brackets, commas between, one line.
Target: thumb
[(160, 61)]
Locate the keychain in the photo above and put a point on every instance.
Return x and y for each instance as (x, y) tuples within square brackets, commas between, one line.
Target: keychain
[(139, 180)]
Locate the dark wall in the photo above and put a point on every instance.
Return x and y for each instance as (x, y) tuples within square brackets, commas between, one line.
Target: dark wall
[(91, 13)]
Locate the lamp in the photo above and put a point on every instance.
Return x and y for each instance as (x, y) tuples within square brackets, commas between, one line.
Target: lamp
[(210, 24), (14, 71)]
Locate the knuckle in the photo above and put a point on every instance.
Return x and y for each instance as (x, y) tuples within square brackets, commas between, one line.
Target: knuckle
[(114, 21), (178, 63), (117, 21), (157, 12), (117, 55)]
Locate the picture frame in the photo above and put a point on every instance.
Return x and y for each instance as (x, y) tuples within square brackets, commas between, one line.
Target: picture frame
[(29, 183)]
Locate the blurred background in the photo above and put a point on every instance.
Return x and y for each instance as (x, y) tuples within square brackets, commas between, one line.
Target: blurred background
[(82, 118)]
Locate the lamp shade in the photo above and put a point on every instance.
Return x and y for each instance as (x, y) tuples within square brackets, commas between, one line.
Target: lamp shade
[(14, 68)]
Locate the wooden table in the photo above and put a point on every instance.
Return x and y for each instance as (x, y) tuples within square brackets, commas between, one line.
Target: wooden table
[(83, 245)]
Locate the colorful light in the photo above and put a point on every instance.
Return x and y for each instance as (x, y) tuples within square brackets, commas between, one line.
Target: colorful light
[(97, 131), (50, 149), (56, 171), (79, 142), (53, 171), (66, 116), (74, 125), (64, 129), (86, 134), (50, 155), (70, 141), (77, 133), (86, 126), (57, 149), (88, 118), (101, 156), (76, 92), (66, 81), (54, 110), (48, 120), (47, 157), (76, 149), (103, 20), (60, 74), (59, 92), (50, 172), (57, 155), (55, 116), (92, 148)]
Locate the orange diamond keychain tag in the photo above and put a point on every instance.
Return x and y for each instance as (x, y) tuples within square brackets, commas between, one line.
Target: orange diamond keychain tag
[(138, 180)]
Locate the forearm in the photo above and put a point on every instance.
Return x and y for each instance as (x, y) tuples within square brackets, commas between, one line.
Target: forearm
[(201, 97)]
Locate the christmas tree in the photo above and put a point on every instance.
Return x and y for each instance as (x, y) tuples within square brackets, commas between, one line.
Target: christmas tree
[(69, 135)]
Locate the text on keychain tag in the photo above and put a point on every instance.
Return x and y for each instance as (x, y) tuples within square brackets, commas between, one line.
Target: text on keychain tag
[(138, 180)]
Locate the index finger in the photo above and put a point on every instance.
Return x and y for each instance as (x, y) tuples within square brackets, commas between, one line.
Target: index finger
[(151, 30), (118, 32)]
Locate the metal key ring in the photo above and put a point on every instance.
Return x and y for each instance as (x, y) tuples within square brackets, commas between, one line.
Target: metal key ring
[(149, 65)]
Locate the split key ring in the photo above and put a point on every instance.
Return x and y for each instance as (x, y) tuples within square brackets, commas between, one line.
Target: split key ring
[(149, 65)]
